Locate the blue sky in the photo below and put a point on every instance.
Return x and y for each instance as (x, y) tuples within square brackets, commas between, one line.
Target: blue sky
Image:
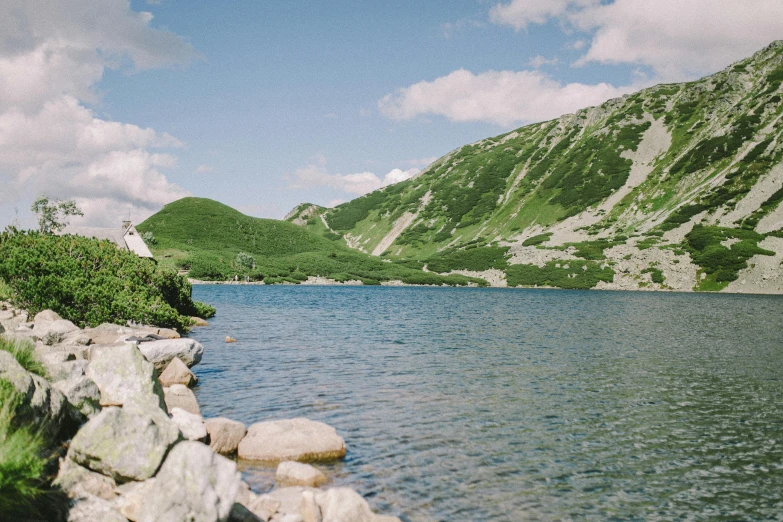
[(263, 105)]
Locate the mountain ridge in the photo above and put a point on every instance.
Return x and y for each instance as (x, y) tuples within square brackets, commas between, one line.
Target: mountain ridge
[(634, 185)]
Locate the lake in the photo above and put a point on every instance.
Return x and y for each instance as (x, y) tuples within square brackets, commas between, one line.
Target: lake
[(511, 404)]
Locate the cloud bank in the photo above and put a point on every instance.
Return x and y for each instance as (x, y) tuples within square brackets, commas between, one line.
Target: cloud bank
[(316, 175), (52, 55)]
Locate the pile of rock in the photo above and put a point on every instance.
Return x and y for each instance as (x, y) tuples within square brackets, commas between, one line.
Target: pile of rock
[(141, 449)]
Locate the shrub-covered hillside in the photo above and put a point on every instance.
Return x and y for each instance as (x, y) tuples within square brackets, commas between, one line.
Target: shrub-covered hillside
[(619, 186), (215, 242)]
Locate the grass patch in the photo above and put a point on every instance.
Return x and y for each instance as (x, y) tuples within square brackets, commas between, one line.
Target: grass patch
[(24, 353), (24, 458), (580, 275), (722, 263)]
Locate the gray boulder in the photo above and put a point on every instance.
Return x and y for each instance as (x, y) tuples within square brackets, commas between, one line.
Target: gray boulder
[(77, 481), (40, 403), (160, 353), (58, 328), (180, 396), (291, 473), (225, 434), (126, 443), (122, 374), (194, 484), (177, 373), (82, 394), (132, 497), (190, 425), (47, 316), (346, 505), (293, 439), (93, 509)]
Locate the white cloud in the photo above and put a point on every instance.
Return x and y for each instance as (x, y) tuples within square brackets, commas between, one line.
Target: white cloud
[(52, 55), (316, 175), (678, 39), (204, 169), (539, 61), (501, 97)]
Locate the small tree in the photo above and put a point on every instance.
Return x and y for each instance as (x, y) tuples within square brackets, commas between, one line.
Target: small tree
[(149, 238), (53, 215), (245, 261)]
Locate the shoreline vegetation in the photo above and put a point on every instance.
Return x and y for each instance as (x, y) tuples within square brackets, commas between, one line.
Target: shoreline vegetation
[(97, 418)]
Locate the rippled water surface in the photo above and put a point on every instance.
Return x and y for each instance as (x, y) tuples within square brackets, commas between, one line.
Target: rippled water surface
[(495, 404)]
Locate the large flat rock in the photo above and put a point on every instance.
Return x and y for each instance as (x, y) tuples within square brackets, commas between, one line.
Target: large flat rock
[(292, 439), (160, 353), (122, 374)]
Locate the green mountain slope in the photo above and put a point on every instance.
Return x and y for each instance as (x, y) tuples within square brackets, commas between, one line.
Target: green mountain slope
[(674, 187), (206, 238)]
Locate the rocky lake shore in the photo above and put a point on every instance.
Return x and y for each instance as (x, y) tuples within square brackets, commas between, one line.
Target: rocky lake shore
[(135, 446)]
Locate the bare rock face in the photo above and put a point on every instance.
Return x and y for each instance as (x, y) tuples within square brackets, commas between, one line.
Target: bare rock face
[(92, 509), (126, 443), (160, 353), (180, 396), (293, 439), (194, 484), (122, 374), (190, 425), (291, 473), (77, 481), (177, 373), (225, 434)]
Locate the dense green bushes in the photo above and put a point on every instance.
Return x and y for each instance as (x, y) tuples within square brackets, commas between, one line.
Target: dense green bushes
[(91, 282), (477, 259), (561, 274), (708, 248)]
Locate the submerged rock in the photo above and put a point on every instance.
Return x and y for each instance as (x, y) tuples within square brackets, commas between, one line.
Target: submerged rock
[(194, 484), (291, 473), (180, 396), (126, 443), (122, 374), (292, 439), (225, 434), (177, 373)]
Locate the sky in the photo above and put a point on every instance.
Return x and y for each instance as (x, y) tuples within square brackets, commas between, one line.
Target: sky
[(124, 106)]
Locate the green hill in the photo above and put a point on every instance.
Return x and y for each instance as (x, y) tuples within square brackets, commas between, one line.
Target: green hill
[(675, 187), (215, 242)]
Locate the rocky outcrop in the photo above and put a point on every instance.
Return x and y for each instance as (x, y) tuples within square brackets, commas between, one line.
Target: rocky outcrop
[(122, 374), (225, 434), (177, 373), (127, 443), (194, 484), (291, 473), (293, 439), (161, 352), (190, 425)]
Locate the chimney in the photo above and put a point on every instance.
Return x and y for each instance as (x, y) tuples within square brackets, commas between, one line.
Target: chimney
[(126, 225)]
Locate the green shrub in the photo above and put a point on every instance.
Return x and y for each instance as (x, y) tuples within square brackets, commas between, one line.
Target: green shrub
[(656, 274), (5, 291), (24, 353), (477, 259), (245, 261), (579, 274), (537, 240), (91, 282)]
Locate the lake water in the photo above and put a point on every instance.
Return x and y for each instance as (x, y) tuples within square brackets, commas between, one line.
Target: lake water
[(499, 404)]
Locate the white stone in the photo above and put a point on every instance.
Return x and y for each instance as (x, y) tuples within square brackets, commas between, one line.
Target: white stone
[(180, 396), (122, 374), (292, 439), (160, 353), (225, 434), (290, 473), (190, 425)]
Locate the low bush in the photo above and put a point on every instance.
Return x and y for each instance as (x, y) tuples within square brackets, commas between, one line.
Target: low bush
[(575, 275), (477, 259), (537, 240), (91, 282)]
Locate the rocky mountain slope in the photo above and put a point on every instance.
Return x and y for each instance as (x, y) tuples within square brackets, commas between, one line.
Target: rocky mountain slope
[(675, 187)]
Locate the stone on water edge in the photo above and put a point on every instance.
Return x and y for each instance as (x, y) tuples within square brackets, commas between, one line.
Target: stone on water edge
[(230, 339), (291, 439), (126, 443), (122, 374), (180, 396), (290, 473), (193, 484), (190, 425), (160, 353), (198, 321), (177, 373), (225, 434)]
